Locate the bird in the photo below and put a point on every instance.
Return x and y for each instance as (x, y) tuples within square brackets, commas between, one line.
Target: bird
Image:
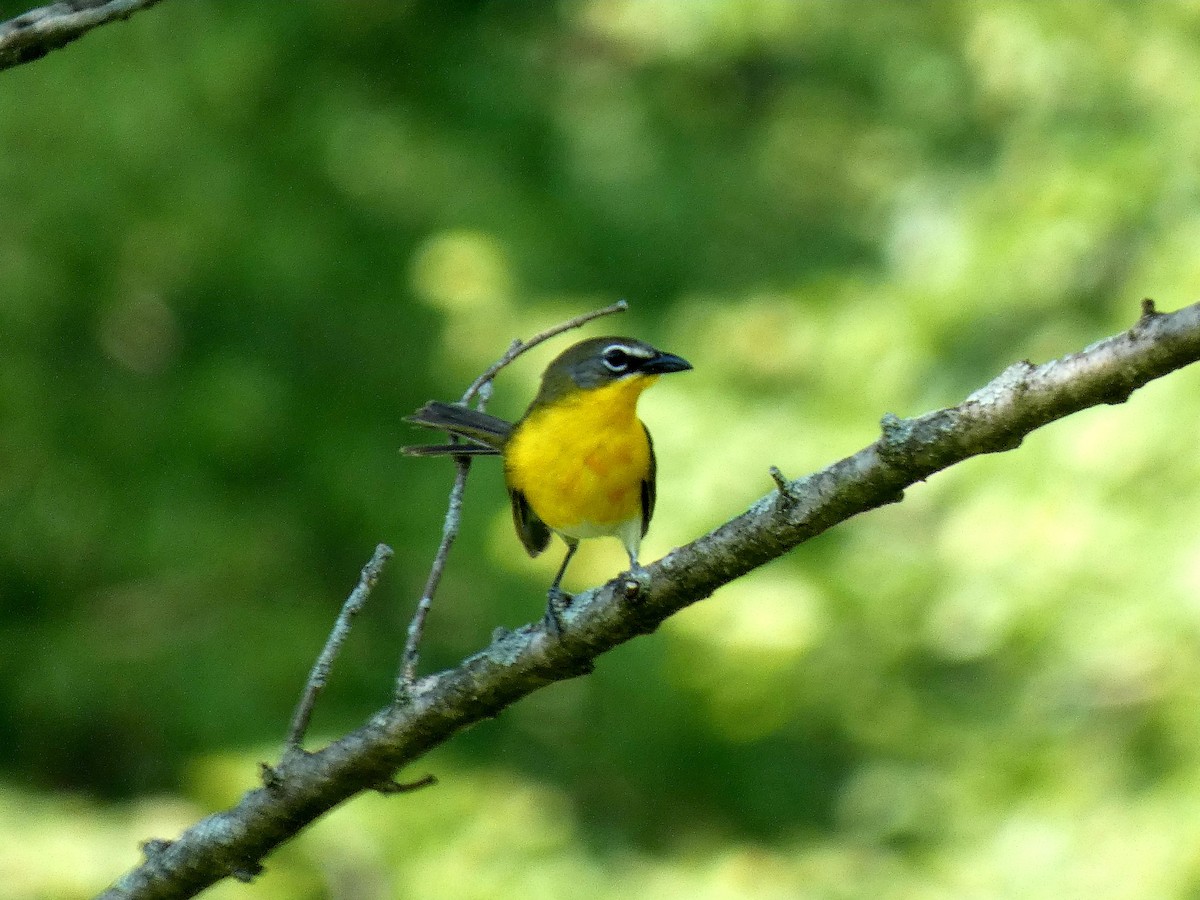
[(579, 463)]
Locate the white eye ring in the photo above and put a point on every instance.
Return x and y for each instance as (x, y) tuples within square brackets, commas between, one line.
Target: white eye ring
[(615, 358)]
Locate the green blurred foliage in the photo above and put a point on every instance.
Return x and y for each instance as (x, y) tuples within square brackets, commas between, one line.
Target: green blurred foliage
[(241, 241)]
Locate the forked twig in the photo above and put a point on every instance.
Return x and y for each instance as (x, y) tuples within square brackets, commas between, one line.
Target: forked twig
[(481, 388), (333, 644)]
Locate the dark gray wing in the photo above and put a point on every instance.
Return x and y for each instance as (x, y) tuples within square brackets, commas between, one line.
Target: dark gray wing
[(649, 491), (530, 529)]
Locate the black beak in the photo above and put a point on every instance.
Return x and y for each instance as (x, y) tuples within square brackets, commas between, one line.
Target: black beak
[(665, 362)]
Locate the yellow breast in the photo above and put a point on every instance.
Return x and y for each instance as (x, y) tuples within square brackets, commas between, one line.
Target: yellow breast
[(580, 461)]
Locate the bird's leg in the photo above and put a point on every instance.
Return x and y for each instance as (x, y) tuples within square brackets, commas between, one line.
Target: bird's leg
[(635, 568), (637, 579), (556, 599)]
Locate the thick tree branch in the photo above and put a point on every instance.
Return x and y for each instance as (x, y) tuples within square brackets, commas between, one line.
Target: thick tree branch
[(996, 417), (33, 34)]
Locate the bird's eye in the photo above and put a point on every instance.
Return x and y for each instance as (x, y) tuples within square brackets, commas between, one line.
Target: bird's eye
[(616, 359)]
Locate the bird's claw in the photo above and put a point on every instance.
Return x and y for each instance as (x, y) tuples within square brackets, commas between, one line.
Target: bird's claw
[(557, 600)]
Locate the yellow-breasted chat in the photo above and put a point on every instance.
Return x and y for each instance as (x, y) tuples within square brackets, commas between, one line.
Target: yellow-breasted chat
[(579, 462)]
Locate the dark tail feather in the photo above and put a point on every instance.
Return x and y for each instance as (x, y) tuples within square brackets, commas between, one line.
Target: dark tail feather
[(449, 450), (487, 431)]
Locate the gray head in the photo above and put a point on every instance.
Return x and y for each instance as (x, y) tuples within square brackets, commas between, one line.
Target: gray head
[(599, 361)]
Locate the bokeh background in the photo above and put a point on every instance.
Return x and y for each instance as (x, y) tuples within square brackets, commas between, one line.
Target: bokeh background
[(240, 241)]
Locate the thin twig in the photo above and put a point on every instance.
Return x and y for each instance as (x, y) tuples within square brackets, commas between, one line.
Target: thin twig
[(480, 387), (519, 347), (35, 33), (416, 628), (333, 645)]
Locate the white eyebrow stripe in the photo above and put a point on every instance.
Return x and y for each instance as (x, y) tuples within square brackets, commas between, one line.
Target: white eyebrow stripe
[(639, 352)]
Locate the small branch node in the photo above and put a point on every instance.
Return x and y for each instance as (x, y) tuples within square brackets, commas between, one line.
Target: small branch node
[(1118, 394), (786, 490), (895, 433), (247, 871), (633, 585), (1019, 373), (270, 777), (580, 668), (391, 786), (1149, 316), (892, 427), (154, 847), (780, 480)]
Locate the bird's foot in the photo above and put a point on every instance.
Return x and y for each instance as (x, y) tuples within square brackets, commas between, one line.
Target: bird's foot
[(557, 600)]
